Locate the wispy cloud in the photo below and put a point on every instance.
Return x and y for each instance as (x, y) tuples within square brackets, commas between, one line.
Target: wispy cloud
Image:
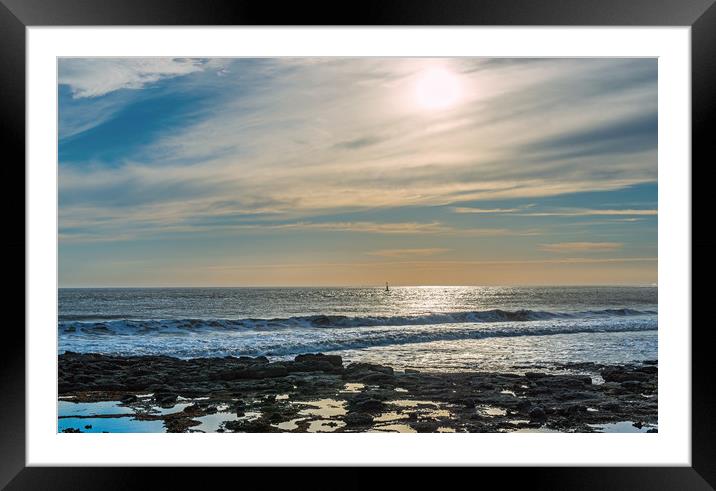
[(433, 228), (360, 227), (408, 252), (93, 77), (466, 209), (569, 247), (573, 212), (419, 262), (579, 213), (112, 226), (334, 157), (357, 143), (345, 134)]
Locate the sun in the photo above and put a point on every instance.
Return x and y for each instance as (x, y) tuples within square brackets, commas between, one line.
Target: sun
[(437, 88)]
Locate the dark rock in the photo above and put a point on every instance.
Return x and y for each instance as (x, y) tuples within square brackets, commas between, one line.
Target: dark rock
[(197, 409), (257, 371), (610, 406), (524, 405), (573, 410), (381, 395), (623, 374), (425, 426), (88, 427), (314, 366), (369, 374), (256, 426), (468, 402), (576, 382), (354, 368), (358, 419), (227, 375), (179, 425), (561, 397), (581, 396), (537, 414), (195, 392), (375, 378), (165, 397), (367, 405), (334, 360), (632, 386), (259, 360), (540, 390), (270, 370)]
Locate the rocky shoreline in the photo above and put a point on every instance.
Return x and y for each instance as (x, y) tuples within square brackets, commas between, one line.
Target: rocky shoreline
[(319, 393)]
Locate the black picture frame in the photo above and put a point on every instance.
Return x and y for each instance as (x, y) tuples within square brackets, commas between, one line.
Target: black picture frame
[(16, 15)]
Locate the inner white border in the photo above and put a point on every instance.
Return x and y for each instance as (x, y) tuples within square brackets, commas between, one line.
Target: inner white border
[(671, 446)]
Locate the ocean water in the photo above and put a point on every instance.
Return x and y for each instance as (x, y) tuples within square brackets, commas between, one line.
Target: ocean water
[(428, 328)]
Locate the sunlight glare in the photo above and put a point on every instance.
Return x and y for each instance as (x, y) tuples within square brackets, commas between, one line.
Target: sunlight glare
[(437, 88)]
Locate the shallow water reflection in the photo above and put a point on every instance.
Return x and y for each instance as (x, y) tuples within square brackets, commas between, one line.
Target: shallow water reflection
[(122, 424), (393, 428), (67, 408), (324, 425), (622, 427), (325, 408), (491, 411), (213, 422)]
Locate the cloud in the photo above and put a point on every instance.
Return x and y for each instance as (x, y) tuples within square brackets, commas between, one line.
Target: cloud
[(464, 209), (362, 142), (278, 135), (398, 228), (362, 227), (632, 134), (571, 212), (89, 225), (587, 212), (408, 252), (94, 77), (569, 247), (314, 266)]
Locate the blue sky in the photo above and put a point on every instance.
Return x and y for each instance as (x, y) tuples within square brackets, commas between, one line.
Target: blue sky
[(356, 171)]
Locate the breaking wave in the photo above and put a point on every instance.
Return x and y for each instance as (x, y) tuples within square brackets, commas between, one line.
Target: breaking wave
[(117, 326)]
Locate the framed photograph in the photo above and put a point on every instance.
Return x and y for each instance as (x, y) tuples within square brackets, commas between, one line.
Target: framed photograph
[(415, 235)]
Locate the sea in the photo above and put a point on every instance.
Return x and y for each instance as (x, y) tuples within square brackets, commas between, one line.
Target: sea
[(428, 328)]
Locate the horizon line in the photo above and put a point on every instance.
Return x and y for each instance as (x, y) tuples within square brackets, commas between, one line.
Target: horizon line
[(377, 285)]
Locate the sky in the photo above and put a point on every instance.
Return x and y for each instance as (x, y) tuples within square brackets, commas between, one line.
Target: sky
[(357, 171)]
